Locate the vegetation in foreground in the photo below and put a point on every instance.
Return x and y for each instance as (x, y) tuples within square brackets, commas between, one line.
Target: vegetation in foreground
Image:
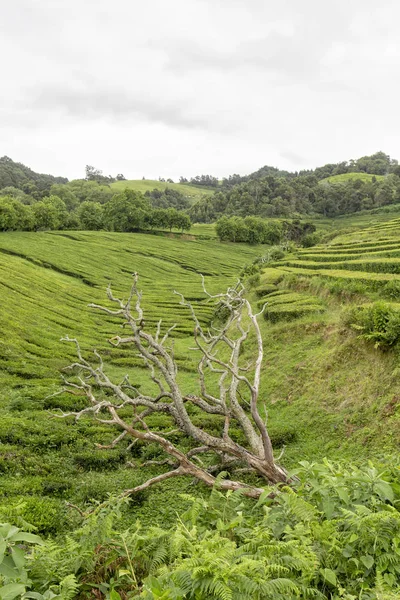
[(334, 536)]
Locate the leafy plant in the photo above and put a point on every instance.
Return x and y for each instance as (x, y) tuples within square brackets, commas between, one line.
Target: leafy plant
[(14, 568), (334, 535), (378, 322)]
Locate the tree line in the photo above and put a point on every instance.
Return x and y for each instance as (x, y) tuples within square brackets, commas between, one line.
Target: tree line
[(126, 211), (254, 230), (268, 192), (303, 195), (376, 164), (202, 180)]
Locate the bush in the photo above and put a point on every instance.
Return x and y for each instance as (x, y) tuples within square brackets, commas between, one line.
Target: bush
[(56, 487), (99, 460), (264, 290), (311, 239), (46, 515), (289, 312), (277, 254), (252, 230), (253, 280), (378, 323), (392, 290)]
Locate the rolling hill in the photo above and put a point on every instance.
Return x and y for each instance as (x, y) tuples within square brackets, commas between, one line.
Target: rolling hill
[(146, 185), (47, 280)]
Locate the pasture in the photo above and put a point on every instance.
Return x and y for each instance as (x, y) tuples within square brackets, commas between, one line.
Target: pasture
[(192, 192)]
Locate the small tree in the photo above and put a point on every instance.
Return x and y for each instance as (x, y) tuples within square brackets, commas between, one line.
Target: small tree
[(219, 367), (90, 215)]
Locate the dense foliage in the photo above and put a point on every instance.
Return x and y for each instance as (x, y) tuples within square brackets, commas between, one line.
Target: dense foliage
[(253, 230), (304, 194), (19, 176), (167, 198), (202, 180), (335, 534), (369, 182), (30, 202), (378, 322), (125, 211), (376, 164)]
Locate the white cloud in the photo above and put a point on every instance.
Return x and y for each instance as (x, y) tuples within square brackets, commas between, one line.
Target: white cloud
[(193, 86)]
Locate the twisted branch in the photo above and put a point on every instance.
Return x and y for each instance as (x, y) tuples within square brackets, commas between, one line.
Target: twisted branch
[(107, 399)]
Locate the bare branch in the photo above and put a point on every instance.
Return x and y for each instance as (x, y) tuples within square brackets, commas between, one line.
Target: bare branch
[(231, 380)]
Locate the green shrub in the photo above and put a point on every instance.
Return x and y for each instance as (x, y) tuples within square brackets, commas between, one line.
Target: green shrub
[(391, 290), (265, 289), (290, 312), (378, 322), (56, 487), (276, 253), (46, 515), (311, 239), (253, 280), (100, 460)]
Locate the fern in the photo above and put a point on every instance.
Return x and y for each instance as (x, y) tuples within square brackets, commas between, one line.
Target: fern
[(68, 588), (337, 535)]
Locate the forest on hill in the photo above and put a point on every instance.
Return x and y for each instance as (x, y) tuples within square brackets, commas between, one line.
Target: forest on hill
[(30, 200)]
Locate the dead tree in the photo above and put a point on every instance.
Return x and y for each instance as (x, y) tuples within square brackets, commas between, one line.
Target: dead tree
[(237, 400)]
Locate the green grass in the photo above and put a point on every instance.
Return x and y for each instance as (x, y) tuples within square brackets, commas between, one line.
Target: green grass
[(203, 230), (351, 176), (46, 282), (192, 192), (326, 391)]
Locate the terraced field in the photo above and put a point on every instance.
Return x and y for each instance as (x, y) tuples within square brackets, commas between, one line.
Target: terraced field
[(334, 390), (370, 256), (46, 282), (327, 393)]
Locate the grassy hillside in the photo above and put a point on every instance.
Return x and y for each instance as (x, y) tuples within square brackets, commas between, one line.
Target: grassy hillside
[(146, 185), (351, 176), (356, 221), (327, 391), (46, 282), (338, 390)]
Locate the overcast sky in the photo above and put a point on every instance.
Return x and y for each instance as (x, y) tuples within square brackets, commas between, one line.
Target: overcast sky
[(182, 87)]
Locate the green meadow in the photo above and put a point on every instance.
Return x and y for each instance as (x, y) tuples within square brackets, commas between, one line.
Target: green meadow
[(328, 392), (352, 176), (147, 185)]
